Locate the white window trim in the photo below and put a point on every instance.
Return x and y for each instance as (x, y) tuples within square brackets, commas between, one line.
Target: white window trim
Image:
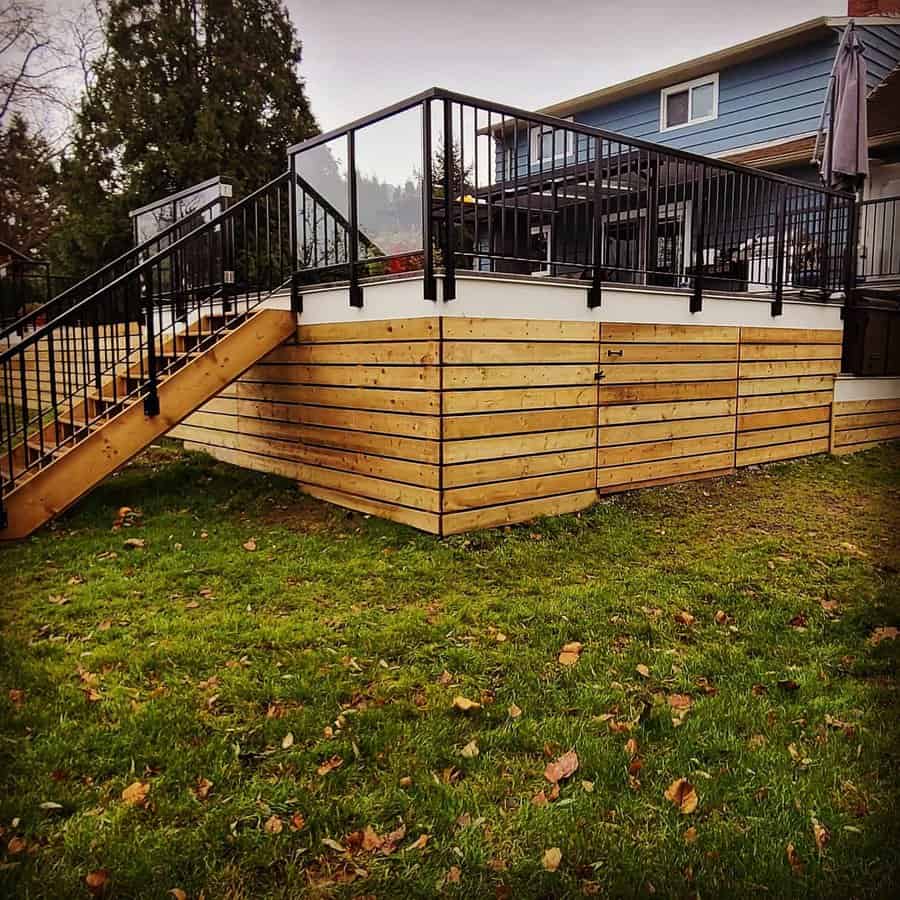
[(688, 86), (567, 148)]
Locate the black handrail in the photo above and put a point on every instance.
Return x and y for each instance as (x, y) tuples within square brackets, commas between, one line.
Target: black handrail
[(114, 346), (514, 112), (19, 326), (588, 204)]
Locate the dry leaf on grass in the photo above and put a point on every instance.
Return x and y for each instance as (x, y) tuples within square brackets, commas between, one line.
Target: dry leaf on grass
[(463, 704), (335, 762), (821, 834), (561, 768), (642, 670), (287, 741), (134, 544), (570, 653), (631, 747), (17, 697), (136, 794), (794, 859), (514, 712), (202, 788), (690, 836), (419, 843), (682, 794), (454, 874), (297, 822), (249, 545), (551, 859), (883, 633), (470, 751), (96, 881), (273, 825), (684, 618), (680, 701), (57, 600), (178, 894)]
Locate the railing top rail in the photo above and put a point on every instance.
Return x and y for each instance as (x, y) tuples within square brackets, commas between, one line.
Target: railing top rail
[(180, 195), (60, 297), (148, 263), (438, 93)]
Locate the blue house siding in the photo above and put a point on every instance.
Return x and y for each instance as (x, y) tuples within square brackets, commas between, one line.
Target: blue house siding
[(767, 99), (882, 50)]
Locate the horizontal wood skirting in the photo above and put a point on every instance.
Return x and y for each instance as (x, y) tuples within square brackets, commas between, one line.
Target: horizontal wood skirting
[(462, 423), (860, 424), (786, 390)]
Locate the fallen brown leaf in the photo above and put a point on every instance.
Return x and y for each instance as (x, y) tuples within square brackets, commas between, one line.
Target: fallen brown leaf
[(684, 618), (202, 788), (682, 794), (514, 712), (136, 794), (134, 544), (570, 653), (249, 545), (453, 874), (883, 633), (419, 843), (297, 822), (561, 768), (273, 825), (335, 762), (470, 751), (680, 701), (463, 704), (178, 894), (642, 670), (96, 881), (17, 697), (794, 859), (690, 836), (551, 859), (821, 834)]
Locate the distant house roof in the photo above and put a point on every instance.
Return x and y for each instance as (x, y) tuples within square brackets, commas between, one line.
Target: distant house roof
[(711, 62)]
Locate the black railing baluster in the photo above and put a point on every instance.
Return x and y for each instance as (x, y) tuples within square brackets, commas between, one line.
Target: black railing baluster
[(429, 282), (700, 238), (356, 294), (449, 249), (151, 395)]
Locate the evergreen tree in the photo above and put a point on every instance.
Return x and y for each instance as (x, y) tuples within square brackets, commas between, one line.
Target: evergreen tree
[(29, 189), (187, 89)]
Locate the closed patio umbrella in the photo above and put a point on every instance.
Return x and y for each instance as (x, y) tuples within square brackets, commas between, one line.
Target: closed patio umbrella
[(846, 157)]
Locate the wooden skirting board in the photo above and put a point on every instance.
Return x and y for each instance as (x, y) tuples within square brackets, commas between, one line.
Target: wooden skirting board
[(452, 423)]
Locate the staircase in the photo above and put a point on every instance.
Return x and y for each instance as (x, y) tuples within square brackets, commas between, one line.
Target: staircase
[(85, 392)]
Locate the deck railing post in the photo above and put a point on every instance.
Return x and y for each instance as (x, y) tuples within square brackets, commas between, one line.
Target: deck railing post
[(151, 398), (850, 254), (780, 249), (699, 251), (595, 290), (296, 295), (430, 284), (356, 293), (449, 253)]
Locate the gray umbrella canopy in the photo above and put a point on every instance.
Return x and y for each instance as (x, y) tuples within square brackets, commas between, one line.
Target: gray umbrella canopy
[(846, 151)]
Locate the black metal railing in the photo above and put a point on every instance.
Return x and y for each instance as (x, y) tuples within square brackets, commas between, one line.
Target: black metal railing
[(879, 240), (30, 319), (443, 182), (114, 346)]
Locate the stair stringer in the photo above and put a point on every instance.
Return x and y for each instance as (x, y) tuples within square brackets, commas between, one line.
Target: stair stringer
[(64, 481)]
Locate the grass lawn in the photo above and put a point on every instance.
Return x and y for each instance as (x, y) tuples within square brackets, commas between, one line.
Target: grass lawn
[(279, 721)]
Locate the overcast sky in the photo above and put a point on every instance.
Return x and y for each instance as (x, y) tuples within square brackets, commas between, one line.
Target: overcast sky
[(360, 55)]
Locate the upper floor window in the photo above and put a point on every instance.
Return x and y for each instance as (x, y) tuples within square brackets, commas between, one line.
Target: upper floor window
[(549, 143), (689, 103)]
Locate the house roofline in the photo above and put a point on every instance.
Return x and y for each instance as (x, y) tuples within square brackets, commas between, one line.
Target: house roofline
[(710, 62)]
